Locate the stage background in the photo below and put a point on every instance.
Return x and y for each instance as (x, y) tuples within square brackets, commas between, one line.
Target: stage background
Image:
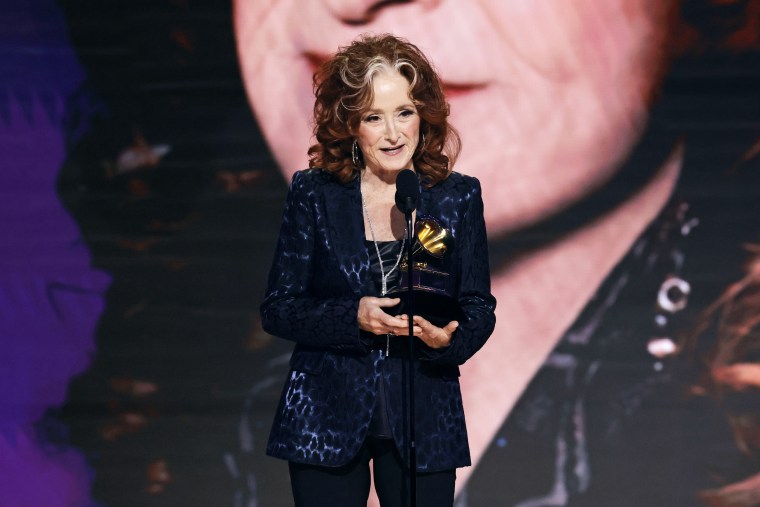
[(139, 209)]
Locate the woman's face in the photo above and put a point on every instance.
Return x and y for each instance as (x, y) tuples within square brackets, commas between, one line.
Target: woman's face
[(389, 130), (548, 95)]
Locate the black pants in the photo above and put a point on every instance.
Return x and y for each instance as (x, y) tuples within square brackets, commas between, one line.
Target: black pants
[(348, 486)]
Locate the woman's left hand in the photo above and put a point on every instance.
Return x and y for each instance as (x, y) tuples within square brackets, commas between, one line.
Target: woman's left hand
[(433, 336)]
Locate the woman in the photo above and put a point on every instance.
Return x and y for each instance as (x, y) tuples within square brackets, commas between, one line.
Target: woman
[(379, 109)]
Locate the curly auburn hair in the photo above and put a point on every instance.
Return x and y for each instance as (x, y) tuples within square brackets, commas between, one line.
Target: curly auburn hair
[(343, 91)]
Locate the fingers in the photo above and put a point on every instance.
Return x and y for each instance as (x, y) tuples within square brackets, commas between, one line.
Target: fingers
[(434, 336), (371, 316), (387, 302), (422, 320), (404, 331), (374, 319), (451, 327)]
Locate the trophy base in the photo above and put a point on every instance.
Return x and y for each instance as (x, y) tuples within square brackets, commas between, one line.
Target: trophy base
[(439, 309)]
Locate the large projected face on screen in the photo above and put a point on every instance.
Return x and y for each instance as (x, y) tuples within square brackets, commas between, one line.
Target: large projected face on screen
[(551, 98), (548, 96)]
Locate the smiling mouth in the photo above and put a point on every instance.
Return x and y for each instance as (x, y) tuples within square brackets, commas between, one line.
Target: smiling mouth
[(392, 150)]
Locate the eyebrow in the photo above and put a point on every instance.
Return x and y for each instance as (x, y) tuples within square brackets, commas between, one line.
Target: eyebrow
[(409, 105)]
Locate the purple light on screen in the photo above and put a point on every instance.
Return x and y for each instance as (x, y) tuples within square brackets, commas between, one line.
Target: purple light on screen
[(50, 296)]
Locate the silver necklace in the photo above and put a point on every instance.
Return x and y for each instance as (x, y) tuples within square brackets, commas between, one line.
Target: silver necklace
[(384, 277)]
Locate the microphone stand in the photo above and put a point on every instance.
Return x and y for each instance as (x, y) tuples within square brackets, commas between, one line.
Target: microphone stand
[(407, 193), (412, 446)]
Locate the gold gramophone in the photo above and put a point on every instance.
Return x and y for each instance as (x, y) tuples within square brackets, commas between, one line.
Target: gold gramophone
[(433, 287), (432, 238), (431, 242)]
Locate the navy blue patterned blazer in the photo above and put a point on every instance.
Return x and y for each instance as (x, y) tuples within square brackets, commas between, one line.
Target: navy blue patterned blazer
[(320, 271)]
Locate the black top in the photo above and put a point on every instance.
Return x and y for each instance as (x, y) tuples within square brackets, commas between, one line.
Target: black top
[(389, 251)]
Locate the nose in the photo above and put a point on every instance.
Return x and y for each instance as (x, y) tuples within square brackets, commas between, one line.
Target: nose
[(357, 12), (391, 130)]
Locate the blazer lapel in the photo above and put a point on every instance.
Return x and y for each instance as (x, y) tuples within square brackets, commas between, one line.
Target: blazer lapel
[(423, 204), (428, 204), (346, 229)]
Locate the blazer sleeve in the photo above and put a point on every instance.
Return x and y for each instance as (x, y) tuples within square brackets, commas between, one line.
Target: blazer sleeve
[(290, 310), (474, 288)]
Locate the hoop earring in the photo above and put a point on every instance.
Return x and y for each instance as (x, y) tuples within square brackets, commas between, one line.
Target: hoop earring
[(355, 154), (422, 145)]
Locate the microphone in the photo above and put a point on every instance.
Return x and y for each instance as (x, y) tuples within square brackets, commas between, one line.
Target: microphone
[(407, 191)]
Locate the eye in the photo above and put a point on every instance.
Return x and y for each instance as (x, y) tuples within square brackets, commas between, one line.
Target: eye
[(406, 113), (372, 118)]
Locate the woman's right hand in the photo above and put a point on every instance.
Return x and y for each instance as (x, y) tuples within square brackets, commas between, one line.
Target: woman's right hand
[(373, 318)]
